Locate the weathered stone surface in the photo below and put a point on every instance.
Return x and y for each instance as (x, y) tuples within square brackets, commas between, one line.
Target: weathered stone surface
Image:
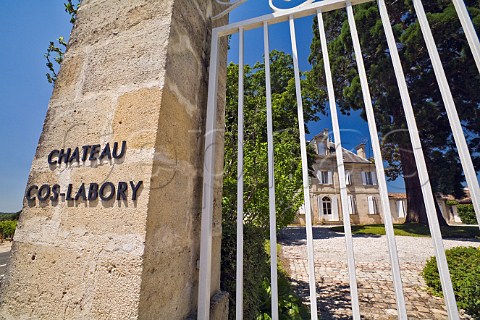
[(143, 61), (136, 117), (101, 21), (219, 306), (66, 275), (135, 71), (76, 124), (175, 118), (69, 76)]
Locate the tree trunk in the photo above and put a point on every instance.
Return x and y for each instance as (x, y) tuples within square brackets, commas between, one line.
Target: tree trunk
[(416, 212), (441, 219), (415, 207)]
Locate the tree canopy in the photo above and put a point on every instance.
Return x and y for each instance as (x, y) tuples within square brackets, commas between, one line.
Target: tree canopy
[(288, 173), (445, 171)]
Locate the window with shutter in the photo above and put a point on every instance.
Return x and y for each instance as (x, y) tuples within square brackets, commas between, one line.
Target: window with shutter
[(324, 177), (374, 178), (334, 208), (319, 177), (351, 205), (369, 178), (372, 205), (320, 206), (348, 177), (400, 209)]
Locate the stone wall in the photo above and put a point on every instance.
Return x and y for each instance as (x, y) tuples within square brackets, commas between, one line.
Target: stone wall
[(135, 71)]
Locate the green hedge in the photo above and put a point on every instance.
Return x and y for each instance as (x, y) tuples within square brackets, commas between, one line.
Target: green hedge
[(464, 266), (467, 213)]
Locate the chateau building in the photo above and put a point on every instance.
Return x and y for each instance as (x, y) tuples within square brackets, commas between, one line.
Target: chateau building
[(364, 204)]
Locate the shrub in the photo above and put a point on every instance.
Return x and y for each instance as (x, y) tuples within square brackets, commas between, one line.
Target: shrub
[(290, 306), (256, 267), (7, 228), (464, 266), (467, 213), (256, 277)]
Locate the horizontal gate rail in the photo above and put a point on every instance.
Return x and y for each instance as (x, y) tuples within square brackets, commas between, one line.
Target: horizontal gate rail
[(284, 15)]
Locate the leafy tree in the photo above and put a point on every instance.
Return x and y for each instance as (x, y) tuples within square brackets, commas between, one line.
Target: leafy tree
[(288, 171), (9, 216), (288, 176), (7, 228), (442, 160)]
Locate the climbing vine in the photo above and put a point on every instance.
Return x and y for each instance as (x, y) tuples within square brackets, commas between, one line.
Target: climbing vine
[(56, 51)]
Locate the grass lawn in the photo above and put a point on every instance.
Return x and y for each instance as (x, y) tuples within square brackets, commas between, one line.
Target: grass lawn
[(414, 230)]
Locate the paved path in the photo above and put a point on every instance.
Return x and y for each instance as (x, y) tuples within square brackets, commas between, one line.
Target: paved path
[(5, 247), (3, 262), (375, 287)]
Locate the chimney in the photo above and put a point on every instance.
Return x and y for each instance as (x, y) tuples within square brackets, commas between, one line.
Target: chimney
[(361, 150)]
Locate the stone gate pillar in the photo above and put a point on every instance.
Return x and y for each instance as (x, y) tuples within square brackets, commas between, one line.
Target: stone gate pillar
[(111, 222)]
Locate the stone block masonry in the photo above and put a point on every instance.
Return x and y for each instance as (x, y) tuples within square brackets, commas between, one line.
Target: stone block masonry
[(135, 71)]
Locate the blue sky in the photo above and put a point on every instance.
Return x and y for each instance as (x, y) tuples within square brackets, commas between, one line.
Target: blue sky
[(26, 27)]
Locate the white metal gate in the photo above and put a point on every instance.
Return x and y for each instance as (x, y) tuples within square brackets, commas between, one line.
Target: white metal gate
[(310, 8)]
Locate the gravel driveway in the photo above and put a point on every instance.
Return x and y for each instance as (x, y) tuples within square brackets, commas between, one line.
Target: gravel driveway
[(375, 287)]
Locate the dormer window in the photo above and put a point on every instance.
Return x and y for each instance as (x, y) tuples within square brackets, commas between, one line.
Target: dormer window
[(322, 148)]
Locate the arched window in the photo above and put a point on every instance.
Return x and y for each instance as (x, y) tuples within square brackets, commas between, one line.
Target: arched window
[(327, 205)]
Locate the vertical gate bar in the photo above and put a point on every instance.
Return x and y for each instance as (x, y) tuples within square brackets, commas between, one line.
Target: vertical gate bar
[(469, 30), (452, 114), (306, 185), (205, 272), (382, 183), (341, 171), (239, 282), (271, 179), (423, 177)]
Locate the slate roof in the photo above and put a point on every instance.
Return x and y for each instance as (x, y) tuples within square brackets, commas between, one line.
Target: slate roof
[(397, 196), (467, 199), (348, 156)]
